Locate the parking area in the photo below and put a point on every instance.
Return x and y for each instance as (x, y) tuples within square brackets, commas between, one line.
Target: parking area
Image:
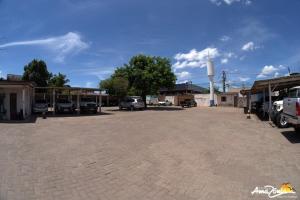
[(160, 153)]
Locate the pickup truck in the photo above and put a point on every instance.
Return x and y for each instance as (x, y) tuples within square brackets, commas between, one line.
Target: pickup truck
[(276, 114), (291, 108)]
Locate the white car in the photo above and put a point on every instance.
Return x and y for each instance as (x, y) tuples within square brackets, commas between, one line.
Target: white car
[(164, 103)]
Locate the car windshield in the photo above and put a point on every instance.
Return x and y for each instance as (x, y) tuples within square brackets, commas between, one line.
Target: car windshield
[(40, 101), (63, 101), (87, 100)]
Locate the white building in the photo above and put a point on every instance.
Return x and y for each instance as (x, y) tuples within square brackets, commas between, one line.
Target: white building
[(16, 99)]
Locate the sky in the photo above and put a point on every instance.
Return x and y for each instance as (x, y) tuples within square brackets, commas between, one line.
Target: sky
[(88, 39)]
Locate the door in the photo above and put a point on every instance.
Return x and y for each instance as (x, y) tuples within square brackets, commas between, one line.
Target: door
[(289, 103), (13, 106), (235, 101)]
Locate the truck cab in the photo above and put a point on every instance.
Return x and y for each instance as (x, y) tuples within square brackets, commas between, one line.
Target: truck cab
[(291, 108)]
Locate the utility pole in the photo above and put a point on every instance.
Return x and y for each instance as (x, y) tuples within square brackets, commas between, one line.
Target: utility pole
[(224, 80)]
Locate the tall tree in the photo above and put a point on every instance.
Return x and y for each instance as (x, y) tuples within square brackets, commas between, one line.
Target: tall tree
[(59, 80), (37, 71)]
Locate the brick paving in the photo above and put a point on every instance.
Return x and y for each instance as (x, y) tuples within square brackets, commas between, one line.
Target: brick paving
[(198, 153)]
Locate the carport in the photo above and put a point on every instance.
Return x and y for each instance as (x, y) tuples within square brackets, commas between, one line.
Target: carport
[(268, 86), (52, 94)]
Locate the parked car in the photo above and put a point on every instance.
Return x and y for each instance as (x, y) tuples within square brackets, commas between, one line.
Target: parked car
[(276, 115), (40, 106), (88, 105), (291, 108), (188, 103), (132, 103), (64, 106), (165, 103)]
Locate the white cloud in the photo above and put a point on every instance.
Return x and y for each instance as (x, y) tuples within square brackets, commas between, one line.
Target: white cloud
[(62, 46), (250, 46), (224, 60), (89, 84), (183, 75), (229, 2), (100, 72), (244, 79), (194, 58), (270, 70), (225, 38)]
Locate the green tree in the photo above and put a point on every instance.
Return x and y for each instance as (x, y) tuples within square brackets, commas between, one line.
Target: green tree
[(146, 75), (59, 80), (117, 86), (37, 71)]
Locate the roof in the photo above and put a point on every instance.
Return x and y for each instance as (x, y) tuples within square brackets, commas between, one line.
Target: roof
[(279, 83), (15, 83), (229, 93), (184, 87)]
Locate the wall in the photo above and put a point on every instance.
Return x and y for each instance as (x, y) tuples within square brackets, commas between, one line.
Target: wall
[(18, 91), (204, 99)]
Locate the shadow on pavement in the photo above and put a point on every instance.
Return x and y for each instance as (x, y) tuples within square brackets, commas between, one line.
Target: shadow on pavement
[(292, 136), (31, 119), (152, 108), (50, 115)]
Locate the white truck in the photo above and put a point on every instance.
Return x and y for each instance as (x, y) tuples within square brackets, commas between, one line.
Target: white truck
[(291, 108), (276, 115)]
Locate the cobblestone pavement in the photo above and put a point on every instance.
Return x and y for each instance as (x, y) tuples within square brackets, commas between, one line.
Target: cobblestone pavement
[(198, 153)]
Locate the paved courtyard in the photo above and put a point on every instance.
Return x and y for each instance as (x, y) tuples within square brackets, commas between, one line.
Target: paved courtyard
[(191, 154)]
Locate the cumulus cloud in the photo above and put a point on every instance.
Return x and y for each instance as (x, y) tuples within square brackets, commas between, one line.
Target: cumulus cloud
[(250, 46), (62, 46), (194, 58), (270, 70), (229, 2), (183, 75)]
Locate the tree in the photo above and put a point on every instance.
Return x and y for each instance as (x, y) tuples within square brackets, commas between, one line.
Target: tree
[(146, 75), (117, 86), (59, 80), (37, 71)]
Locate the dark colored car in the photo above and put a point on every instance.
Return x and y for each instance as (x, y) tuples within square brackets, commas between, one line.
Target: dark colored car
[(188, 103)]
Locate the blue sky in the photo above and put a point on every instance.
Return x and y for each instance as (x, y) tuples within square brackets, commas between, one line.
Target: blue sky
[(87, 39)]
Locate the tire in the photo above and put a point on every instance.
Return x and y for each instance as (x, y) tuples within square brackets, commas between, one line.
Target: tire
[(297, 129), (281, 122)]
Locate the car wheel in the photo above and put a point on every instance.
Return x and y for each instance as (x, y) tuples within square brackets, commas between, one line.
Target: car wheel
[(281, 121), (297, 129)]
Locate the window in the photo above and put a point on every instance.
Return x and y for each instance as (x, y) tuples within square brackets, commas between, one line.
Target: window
[(223, 99), (293, 93)]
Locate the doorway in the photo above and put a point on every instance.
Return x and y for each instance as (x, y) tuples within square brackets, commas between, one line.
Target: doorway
[(235, 101), (13, 106)]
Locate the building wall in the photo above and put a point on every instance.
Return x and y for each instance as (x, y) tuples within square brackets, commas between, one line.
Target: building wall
[(204, 99), (18, 91), (229, 99)]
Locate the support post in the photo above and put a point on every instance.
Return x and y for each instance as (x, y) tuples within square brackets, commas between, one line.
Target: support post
[(53, 99), (100, 102), (78, 102), (23, 102), (264, 102), (107, 100), (270, 100)]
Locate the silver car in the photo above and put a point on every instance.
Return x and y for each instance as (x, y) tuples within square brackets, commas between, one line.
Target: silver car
[(132, 103), (40, 106)]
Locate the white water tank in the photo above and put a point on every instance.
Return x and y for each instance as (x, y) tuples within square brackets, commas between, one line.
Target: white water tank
[(210, 68)]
